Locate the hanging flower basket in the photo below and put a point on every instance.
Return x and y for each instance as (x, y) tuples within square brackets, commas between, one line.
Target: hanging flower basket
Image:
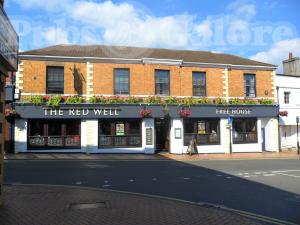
[(146, 113), (184, 113), (11, 114), (283, 113)]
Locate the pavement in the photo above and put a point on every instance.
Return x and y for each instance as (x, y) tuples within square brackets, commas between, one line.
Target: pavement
[(61, 205), (159, 156)]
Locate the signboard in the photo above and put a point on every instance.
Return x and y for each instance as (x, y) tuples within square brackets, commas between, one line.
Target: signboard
[(177, 133), (120, 129), (201, 127), (9, 42), (149, 136), (234, 111), (97, 111), (81, 112)]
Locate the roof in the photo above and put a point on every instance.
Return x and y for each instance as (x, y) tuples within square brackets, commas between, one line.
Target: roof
[(105, 51)]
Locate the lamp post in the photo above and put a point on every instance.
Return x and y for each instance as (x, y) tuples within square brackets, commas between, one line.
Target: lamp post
[(298, 148)]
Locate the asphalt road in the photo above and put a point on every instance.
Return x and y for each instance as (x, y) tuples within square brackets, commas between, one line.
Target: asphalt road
[(266, 187)]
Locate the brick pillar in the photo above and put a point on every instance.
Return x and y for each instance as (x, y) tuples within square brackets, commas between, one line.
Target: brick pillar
[(225, 84), (90, 78)]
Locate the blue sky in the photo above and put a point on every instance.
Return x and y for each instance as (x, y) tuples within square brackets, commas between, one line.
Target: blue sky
[(262, 30)]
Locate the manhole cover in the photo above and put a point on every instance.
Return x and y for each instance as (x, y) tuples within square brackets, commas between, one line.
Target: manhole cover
[(94, 205)]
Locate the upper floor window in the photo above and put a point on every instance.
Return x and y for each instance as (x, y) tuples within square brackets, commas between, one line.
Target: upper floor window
[(162, 82), (121, 78), (55, 80), (199, 84), (287, 97), (250, 85)]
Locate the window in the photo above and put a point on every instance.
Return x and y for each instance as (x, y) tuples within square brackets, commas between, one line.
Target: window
[(120, 133), (287, 97), (121, 78), (244, 131), (250, 85), (199, 84), (162, 82), (53, 134), (55, 80), (207, 131)]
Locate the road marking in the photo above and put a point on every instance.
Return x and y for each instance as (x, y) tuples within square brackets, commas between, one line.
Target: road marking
[(228, 177), (154, 179), (78, 182), (290, 175), (131, 180), (106, 185), (268, 175), (219, 175), (285, 171), (106, 181), (186, 178)]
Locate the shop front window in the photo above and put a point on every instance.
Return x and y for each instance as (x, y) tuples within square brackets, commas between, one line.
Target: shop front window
[(120, 133), (244, 131), (53, 134), (206, 131)]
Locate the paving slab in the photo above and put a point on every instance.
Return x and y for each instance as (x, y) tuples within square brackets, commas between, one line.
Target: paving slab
[(58, 205)]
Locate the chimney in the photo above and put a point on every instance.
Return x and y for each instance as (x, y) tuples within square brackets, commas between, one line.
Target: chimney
[(290, 55), (291, 66)]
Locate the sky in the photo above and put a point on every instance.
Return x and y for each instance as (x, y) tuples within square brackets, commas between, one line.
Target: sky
[(263, 30)]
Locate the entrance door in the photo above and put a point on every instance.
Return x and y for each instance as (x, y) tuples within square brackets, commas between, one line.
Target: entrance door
[(162, 129), (263, 139)]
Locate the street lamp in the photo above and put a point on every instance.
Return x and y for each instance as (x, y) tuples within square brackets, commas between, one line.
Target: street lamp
[(297, 120)]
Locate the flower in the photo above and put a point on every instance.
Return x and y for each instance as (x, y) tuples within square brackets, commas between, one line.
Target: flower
[(146, 113), (283, 113), (46, 98), (184, 113)]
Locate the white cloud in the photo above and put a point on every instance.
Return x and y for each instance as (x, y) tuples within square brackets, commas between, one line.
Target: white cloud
[(55, 36), (279, 52), (52, 5), (242, 9)]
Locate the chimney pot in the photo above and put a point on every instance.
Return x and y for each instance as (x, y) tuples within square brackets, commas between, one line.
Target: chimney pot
[(290, 55)]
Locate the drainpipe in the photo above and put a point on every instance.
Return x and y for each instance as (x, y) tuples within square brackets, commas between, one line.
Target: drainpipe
[(279, 133)]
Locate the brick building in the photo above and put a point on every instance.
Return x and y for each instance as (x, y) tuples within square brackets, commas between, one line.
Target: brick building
[(8, 63), (101, 99)]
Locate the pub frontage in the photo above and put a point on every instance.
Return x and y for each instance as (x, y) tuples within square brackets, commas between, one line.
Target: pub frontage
[(95, 128), (97, 99)]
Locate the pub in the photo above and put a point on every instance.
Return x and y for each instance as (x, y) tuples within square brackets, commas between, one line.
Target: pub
[(94, 99)]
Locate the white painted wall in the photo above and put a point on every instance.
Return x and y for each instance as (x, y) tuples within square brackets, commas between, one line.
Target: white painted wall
[(20, 135), (288, 136), (89, 136), (148, 123), (176, 145)]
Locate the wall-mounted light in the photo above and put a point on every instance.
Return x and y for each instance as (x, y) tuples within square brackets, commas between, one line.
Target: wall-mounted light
[(266, 92)]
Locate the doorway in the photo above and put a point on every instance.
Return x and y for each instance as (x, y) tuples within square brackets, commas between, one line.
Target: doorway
[(162, 133)]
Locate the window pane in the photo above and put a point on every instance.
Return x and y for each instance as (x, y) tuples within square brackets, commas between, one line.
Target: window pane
[(206, 131), (244, 130), (250, 85), (199, 84), (121, 77), (55, 80), (162, 82)]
